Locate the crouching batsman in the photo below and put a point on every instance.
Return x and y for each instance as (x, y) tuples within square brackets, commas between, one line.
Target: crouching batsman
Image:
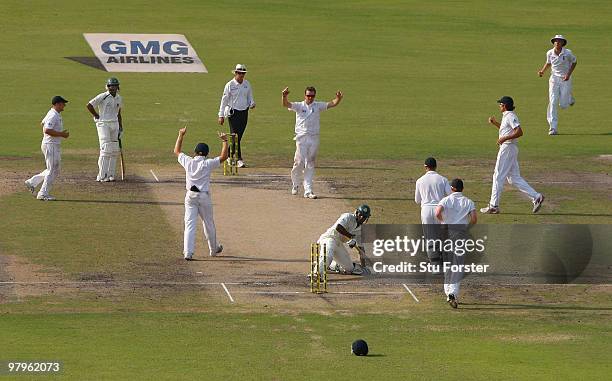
[(345, 232)]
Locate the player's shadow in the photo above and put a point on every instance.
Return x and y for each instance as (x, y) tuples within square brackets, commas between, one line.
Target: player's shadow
[(236, 258), (507, 306), (562, 214), (129, 202), (366, 197), (600, 134)]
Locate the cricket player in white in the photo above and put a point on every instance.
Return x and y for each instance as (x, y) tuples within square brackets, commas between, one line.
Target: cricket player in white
[(106, 110), (197, 198), (307, 126), (430, 189), (507, 167), (562, 63), (457, 212), (347, 230), (53, 132)]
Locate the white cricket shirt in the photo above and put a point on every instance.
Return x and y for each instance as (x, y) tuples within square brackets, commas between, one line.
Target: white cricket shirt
[(197, 170), (508, 123), (348, 222), (53, 120), (238, 96), (560, 64), (457, 209), (108, 106), (431, 188), (307, 117)]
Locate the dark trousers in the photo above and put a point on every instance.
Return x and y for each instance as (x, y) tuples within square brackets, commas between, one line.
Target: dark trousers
[(238, 123)]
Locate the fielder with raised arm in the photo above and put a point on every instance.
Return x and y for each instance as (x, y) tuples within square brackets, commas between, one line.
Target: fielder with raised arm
[(106, 110), (347, 230), (198, 202), (307, 126)]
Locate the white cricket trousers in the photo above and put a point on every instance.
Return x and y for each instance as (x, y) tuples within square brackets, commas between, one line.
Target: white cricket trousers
[(336, 251), (108, 136), (559, 95), (306, 149), (431, 230), (199, 204), (52, 154), (507, 169)]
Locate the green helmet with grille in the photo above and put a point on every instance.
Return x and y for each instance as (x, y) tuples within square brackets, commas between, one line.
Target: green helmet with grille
[(112, 81)]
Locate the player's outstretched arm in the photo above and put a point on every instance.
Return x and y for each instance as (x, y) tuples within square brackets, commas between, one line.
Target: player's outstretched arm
[(285, 101), (179, 141), (224, 149), (334, 102)]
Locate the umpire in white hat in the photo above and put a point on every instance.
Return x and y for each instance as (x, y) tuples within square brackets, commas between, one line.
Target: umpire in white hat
[(236, 101)]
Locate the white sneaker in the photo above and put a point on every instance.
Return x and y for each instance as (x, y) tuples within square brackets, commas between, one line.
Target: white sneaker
[(294, 190), (45, 197), (189, 257), (218, 251), (538, 203), (553, 132), (489, 210), (111, 178), (105, 180), (310, 195), (30, 187), (241, 164)]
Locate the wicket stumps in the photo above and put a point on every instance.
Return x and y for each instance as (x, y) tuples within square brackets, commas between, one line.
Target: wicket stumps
[(318, 276), (230, 166)]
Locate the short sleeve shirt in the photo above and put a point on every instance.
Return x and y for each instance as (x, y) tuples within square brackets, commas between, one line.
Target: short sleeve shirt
[(238, 96), (108, 106), (307, 117), (348, 222), (508, 123), (457, 209), (53, 120), (431, 188), (198, 170), (560, 64)]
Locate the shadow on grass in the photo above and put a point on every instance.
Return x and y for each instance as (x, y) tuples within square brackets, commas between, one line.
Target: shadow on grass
[(560, 214), (135, 202), (501, 306), (600, 134), (222, 257), (367, 198)]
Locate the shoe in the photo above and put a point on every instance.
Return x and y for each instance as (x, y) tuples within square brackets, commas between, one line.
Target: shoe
[(111, 179), (189, 257), (452, 301), (553, 132), (105, 180), (538, 203), (45, 197), (218, 251), (490, 210), (573, 101), (310, 195), (241, 164), (294, 190), (30, 187)]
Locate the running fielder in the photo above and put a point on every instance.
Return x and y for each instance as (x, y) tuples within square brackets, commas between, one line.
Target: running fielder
[(507, 167), (53, 132), (562, 63), (347, 230), (106, 111)]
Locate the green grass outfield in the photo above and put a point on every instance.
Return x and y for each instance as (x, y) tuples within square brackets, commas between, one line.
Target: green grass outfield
[(440, 344), (419, 78)]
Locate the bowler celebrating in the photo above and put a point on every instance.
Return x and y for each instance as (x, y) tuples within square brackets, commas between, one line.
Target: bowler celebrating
[(507, 167)]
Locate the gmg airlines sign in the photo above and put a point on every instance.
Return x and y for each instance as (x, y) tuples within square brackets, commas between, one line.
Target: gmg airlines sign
[(145, 52)]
